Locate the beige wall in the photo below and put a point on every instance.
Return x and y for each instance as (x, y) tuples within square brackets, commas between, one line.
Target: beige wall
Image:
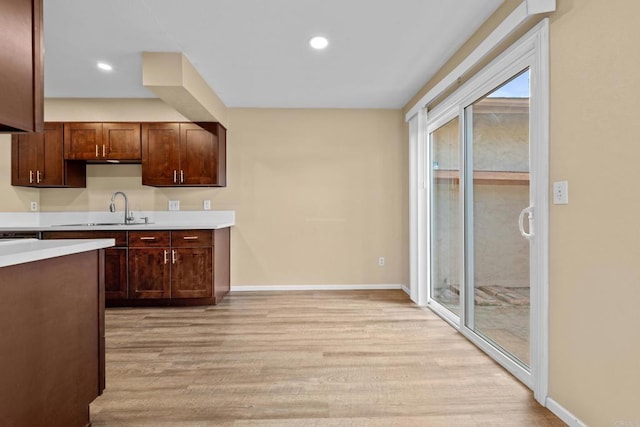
[(12, 199), (594, 281), (319, 195), (594, 255)]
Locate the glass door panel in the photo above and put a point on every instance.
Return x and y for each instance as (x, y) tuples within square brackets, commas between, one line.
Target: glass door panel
[(498, 279), (445, 234)]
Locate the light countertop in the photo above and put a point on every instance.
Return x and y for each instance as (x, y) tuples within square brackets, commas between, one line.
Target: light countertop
[(94, 221), (20, 251)]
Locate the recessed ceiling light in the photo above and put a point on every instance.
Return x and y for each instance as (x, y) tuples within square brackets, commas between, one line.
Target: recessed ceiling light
[(104, 66), (318, 42)]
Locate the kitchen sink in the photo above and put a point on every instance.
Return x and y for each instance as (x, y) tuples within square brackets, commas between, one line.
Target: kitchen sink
[(98, 224)]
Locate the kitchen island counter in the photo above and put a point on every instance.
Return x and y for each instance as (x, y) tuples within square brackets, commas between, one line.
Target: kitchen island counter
[(52, 320), (13, 252)]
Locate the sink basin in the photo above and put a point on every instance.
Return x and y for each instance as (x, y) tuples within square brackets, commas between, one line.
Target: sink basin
[(98, 224)]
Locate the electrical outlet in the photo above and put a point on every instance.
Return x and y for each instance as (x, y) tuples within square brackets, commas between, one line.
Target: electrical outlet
[(206, 205), (174, 205), (561, 193), (381, 261), (34, 206)]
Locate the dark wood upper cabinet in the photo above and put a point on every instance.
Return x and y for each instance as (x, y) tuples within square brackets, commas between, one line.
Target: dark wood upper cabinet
[(121, 141), (184, 154), (160, 154), (21, 66), (100, 142), (83, 141), (37, 160)]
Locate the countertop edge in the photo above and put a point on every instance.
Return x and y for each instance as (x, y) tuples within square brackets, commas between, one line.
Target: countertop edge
[(136, 227), (29, 250)]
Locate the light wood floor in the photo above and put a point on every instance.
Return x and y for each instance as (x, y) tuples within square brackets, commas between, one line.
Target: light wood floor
[(338, 358)]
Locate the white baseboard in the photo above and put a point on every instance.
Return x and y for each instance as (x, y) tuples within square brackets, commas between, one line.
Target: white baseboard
[(406, 290), (563, 414), (260, 288)]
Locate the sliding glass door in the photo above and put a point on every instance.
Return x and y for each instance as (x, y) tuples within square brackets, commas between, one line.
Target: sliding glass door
[(497, 191), (481, 198), (446, 233), (481, 217)]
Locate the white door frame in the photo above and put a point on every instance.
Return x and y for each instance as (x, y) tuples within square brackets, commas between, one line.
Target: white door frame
[(533, 49)]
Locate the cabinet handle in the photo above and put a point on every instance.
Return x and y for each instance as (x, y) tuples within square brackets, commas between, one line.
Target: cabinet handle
[(97, 154), (38, 177), (166, 256), (175, 176), (30, 177), (174, 256), (147, 238), (104, 150), (181, 176), (190, 237)]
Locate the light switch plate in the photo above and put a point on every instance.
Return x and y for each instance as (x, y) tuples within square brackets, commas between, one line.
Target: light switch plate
[(174, 205), (561, 193)]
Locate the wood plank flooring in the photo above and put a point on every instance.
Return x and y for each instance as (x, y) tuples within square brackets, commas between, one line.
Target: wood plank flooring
[(330, 358)]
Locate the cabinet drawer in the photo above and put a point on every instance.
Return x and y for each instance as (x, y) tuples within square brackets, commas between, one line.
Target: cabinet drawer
[(148, 238), (119, 236), (191, 238)]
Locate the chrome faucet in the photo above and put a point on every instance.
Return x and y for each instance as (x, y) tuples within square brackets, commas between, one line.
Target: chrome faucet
[(128, 216)]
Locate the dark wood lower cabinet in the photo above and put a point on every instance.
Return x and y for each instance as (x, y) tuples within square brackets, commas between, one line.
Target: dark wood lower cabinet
[(192, 273), (115, 275), (149, 273), (115, 269), (158, 267)]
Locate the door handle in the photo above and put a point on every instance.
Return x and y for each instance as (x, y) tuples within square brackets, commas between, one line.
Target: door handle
[(529, 212)]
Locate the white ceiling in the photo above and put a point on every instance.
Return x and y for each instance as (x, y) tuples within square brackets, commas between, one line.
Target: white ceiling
[(255, 53)]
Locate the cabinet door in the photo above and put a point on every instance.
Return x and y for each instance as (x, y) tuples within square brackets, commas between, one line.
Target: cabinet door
[(83, 141), (149, 270), (198, 155), (191, 272), (51, 163), (21, 66), (122, 141), (25, 151), (115, 273), (160, 154), (115, 269)]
